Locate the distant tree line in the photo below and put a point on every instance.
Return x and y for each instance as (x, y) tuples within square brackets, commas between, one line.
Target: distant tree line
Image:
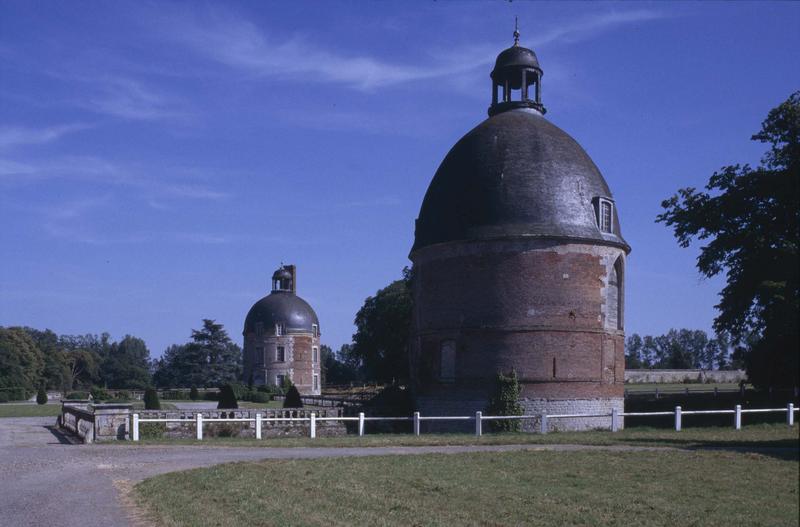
[(31, 358), (681, 349)]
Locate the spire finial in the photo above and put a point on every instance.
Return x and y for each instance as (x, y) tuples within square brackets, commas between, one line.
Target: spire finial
[(516, 31)]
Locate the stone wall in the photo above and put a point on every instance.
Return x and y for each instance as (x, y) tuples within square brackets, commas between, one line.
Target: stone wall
[(288, 428), (680, 376)]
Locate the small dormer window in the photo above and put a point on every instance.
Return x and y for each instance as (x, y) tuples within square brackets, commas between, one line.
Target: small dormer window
[(315, 330), (604, 212), (280, 329)]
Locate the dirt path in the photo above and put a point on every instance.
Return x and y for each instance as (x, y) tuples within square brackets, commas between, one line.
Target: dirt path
[(48, 481)]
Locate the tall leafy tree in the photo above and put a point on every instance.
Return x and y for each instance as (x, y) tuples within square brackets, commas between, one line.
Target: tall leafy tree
[(21, 361), (749, 219), (127, 364), (55, 374), (383, 325)]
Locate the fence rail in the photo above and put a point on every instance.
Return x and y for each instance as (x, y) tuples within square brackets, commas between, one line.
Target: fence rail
[(478, 418)]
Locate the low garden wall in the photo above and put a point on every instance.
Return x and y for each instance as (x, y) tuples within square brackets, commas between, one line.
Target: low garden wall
[(684, 376)]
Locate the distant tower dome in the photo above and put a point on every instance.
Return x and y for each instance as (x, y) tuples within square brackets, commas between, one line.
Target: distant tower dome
[(282, 337), (518, 264)]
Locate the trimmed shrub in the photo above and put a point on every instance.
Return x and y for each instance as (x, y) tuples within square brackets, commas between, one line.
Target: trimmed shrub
[(41, 396), (227, 397), (194, 394), (151, 401), (100, 394), (292, 399), (505, 401), (260, 397)]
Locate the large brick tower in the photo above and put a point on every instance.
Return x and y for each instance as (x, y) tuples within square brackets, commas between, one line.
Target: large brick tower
[(281, 337), (518, 263)]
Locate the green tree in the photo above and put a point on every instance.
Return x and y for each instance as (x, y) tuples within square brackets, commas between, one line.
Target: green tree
[(21, 361), (41, 396), (335, 370), (749, 218), (383, 324), (292, 399), (127, 364), (55, 360)]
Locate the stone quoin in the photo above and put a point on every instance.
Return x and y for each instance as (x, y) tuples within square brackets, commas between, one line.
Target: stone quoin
[(282, 338), (518, 264)]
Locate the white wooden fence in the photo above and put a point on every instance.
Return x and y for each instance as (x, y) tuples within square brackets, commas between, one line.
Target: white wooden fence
[(478, 418)]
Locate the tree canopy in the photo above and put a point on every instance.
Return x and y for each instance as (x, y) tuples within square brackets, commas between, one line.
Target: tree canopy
[(383, 325), (211, 358), (679, 349), (749, 218)]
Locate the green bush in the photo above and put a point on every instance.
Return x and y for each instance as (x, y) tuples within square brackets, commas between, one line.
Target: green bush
[(122, 396), (41, 396), (267, 389), (151, 401), (152, 430), (293, 399), (3, 397), (194, 394), (260, 397), (100, 394), (227, 397), (504, 400), (174, 395), (77, 395)]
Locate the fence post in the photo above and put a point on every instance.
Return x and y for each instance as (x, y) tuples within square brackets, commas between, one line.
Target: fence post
[(478, 427), (737, 422), (360, 424), (258, 425), (313, 427), (677, 418), (716, 392), (543, 424), (614, 420), (790, 414), (135, 426), (416, 423), (656, 393), (199, 426)]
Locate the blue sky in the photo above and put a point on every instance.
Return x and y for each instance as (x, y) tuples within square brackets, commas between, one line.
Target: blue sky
[(159, 160)]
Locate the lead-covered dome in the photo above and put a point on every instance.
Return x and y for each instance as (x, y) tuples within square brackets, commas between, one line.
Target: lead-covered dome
[(281, 307), (516, 175)]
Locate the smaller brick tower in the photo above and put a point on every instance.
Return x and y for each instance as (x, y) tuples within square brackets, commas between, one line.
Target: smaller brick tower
[(281, 337)]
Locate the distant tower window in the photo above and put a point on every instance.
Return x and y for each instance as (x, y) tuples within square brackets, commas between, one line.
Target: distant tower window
[(280, 329), (279, 380), (316, 382), (259, 328), (604, 212), (315, 330), (280, 354), (259, 355), (614, 297), (448, 360), (315, 354)]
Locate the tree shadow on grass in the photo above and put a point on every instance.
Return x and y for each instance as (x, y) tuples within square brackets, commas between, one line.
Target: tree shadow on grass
[(783, 449)]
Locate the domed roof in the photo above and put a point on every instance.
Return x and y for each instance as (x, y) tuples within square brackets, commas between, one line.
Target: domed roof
[(515, 175), (516, 56), (282, 273), (281, 307)]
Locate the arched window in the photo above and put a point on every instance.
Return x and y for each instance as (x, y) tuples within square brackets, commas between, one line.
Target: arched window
[(447, 370), (614, 297)]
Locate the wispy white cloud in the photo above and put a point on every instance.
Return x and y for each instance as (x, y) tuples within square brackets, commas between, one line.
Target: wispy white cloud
[(11, 136), (240, 44), (129, 99)]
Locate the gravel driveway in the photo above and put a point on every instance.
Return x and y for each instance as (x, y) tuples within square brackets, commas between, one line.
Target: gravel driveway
[(48, 481)]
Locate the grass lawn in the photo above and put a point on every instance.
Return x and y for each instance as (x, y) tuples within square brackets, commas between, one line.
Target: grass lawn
[(512, 488), (30, 410), (762, 435)]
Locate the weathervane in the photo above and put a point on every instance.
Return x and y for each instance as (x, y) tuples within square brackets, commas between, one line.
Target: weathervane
[(516, 31)]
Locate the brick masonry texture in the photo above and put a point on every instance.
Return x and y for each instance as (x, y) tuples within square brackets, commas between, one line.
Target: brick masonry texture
[(537, 306), (298, 363)]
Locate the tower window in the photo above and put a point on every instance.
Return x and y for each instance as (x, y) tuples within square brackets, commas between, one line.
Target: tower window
[(315, 330), (316, 382), (604, 213), (315, 354), (259, 328), (448, 360), (279, 380), (259, 356), (280, 329), (280, 354)]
